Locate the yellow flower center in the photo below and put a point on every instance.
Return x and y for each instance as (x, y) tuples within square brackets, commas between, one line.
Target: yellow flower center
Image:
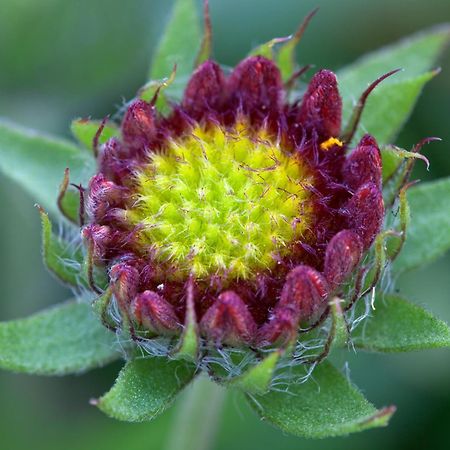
[(222, 202)]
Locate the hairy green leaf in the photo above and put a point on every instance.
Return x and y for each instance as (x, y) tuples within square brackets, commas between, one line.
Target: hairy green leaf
[(416, 54), (37, 162), (397, 325), (145, 388), (65, 339), (179, 45), (85, 130), (428, 235), (325, 405)]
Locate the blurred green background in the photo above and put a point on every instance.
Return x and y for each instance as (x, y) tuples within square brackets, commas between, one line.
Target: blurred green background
[(60, 60)]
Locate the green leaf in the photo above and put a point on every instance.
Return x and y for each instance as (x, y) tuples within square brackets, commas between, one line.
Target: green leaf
[(397, 325), (145, 388), (179, 45), (65, 339), (416, 55), (325, 405), (428, 235), (37, 162), (85, 130), (388, 107)]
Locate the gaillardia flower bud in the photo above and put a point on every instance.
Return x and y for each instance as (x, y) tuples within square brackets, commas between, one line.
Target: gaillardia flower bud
[(232, 225), (251, 203)]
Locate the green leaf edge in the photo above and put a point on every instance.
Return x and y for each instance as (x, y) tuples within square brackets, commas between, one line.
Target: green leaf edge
[(69, 309), (383, 305), (114, 406), (379, 418)]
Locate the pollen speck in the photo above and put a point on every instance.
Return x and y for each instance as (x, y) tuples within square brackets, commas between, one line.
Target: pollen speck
[(326, 145)]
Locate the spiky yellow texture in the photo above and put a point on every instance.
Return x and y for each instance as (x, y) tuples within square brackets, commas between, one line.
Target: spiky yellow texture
[(222, 202)]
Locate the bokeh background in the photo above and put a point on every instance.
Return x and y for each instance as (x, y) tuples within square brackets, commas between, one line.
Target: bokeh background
[(60, 60)]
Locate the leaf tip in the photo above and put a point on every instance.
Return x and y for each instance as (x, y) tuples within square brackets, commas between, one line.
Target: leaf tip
[(381, 418)]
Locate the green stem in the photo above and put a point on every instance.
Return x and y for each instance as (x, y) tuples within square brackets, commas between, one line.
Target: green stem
[(197, 417)]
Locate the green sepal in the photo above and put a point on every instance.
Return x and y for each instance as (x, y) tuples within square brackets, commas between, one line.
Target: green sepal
[(61, 340), (267, 49), (324, 405), (257, 379), (145, 388), (84, 130), (396, 325), (339, 328), (391, 161), (60, 257), (188, 345), (101, 308), (179, 46), (37, 163), (153, 91), (64, 259), (285, 57), (206, 44), (68, 201)]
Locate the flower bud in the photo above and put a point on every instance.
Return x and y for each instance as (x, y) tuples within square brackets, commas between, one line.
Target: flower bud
[(228, 321), (282, 326), (138, 126), (321, 108), (307, 290), (125, 282), (363, 165), (343, 254), (154, 313), (205, 91), (364, 213), (256, 86)]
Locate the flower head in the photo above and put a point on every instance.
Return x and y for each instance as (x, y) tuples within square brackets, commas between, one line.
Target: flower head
[(250, 202), (235, 229)]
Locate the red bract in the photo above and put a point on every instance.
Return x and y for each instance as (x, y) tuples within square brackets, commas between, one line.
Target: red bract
[(235, 304)]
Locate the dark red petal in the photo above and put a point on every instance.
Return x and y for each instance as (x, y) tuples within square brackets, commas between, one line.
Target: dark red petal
[(103, 195), (154, 313), (321, 108), (307, 289), (100, 236), (368, 139), (124, 282), (112, 160), (205, 90), (364, 213), (256, 86), (228, 321), (138, 126), (282, 327), (363, 165), (343, 254)]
